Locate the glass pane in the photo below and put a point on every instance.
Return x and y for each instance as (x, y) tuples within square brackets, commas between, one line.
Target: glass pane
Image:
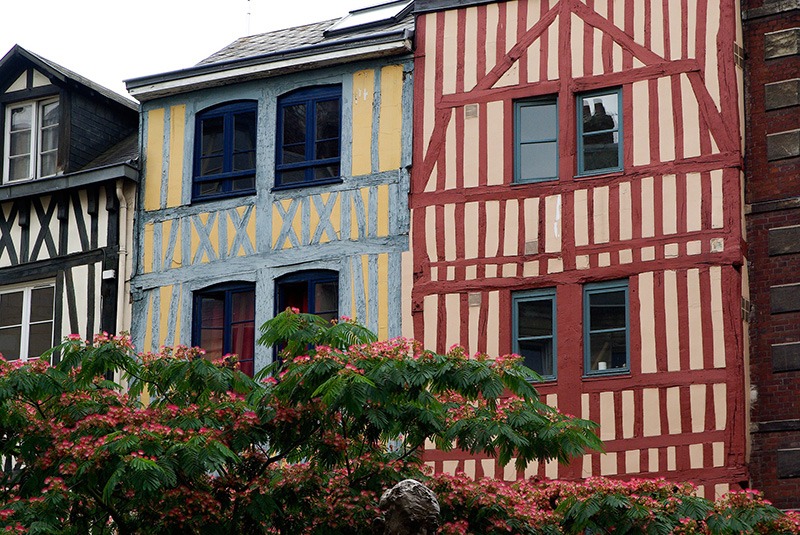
[(42, 304), (326, 297), (326, 171), (607, 310), (211, 166), (213, 139), (11, 308), (293, 294), (294, 153), (20, 143), (9, 342), (600, 112), (329, 316), (601, 151), (243, 338), (244, 132), (210, 188), (48, 163), (608, 351), (535, 318), (21, 118), (327, 119), (292, 177), (294, 124), (50, 114), (243, 305), (212, 312), (211, 340), (538, 122), (49, 139), (538, 355), (327, 149), (19, 168), (41, 338), (538, 160), (242, 184), (244, 161)]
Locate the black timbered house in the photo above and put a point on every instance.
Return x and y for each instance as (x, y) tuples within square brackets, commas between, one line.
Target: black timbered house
[(69, 169)]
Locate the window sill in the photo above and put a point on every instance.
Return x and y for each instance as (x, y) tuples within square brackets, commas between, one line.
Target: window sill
[(608, 374), (327, 181), (223, 196), (533, 182), (600, 174)]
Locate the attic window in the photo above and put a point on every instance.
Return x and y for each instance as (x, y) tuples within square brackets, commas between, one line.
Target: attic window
[(371, 16), (31, 140)]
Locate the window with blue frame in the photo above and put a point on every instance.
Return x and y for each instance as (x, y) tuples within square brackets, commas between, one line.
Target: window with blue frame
[(605, 328), (225, 151), (315, 292), (223, 322), (534, 328), (600, 132), (535, 140), (309, 131)]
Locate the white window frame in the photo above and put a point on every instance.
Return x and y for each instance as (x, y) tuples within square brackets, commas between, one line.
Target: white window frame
[(25, 320), (35, 149)]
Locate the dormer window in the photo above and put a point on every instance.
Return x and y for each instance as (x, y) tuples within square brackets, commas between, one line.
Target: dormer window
[(30, 141)]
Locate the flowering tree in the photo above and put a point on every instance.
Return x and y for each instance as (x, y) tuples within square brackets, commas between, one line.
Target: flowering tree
[(306, 447)]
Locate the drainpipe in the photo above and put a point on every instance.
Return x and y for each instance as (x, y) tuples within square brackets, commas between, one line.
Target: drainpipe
[(122, 268)]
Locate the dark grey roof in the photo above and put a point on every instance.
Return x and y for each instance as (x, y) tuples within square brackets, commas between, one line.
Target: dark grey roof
[(65, 74), (299, 37), (126, 151)]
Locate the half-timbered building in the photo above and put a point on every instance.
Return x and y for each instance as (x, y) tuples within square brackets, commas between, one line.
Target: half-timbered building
[(275, 175), (68, 162), (576, 198)]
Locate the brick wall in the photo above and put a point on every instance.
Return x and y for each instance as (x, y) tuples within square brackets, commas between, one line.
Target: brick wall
[(772, 158)]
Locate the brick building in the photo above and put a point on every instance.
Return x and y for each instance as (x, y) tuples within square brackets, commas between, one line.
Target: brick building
[(772, 150)]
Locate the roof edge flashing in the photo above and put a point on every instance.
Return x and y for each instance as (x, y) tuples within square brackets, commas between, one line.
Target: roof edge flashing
[(256, 67)]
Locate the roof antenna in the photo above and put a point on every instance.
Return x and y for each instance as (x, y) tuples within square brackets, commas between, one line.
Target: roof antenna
[(248, 17)]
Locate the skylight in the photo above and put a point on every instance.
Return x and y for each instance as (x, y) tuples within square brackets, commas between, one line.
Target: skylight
[(371, 16)]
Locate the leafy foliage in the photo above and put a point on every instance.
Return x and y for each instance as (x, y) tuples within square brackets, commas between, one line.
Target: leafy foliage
[(193, 445)]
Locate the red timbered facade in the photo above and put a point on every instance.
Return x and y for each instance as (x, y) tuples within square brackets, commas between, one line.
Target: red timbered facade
[(577, 198)]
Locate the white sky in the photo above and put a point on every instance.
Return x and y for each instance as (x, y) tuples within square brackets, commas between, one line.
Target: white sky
[(109, 41)]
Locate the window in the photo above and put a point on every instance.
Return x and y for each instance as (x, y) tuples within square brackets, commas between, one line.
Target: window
[(26, 321), (225, 151), (600, 132), (534, 327), (309, 127), (605, 328), (225, 322), (316, 292), (536, 140), (31, 140)]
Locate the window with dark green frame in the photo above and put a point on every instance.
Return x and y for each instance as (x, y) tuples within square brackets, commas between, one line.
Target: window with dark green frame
[(600, 132), (605, 328), (308, 140), (225, 151), (534, 328), (535, 140)]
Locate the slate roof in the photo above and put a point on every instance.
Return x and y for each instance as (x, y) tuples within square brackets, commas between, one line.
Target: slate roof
[(126, 151), (54, 68), (300, 37)]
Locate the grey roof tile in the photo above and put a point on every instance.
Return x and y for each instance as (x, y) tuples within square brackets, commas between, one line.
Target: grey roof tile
[(125, 151), (299, 37)]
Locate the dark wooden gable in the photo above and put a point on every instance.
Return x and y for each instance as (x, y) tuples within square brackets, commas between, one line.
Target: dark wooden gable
[(93, 119)]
